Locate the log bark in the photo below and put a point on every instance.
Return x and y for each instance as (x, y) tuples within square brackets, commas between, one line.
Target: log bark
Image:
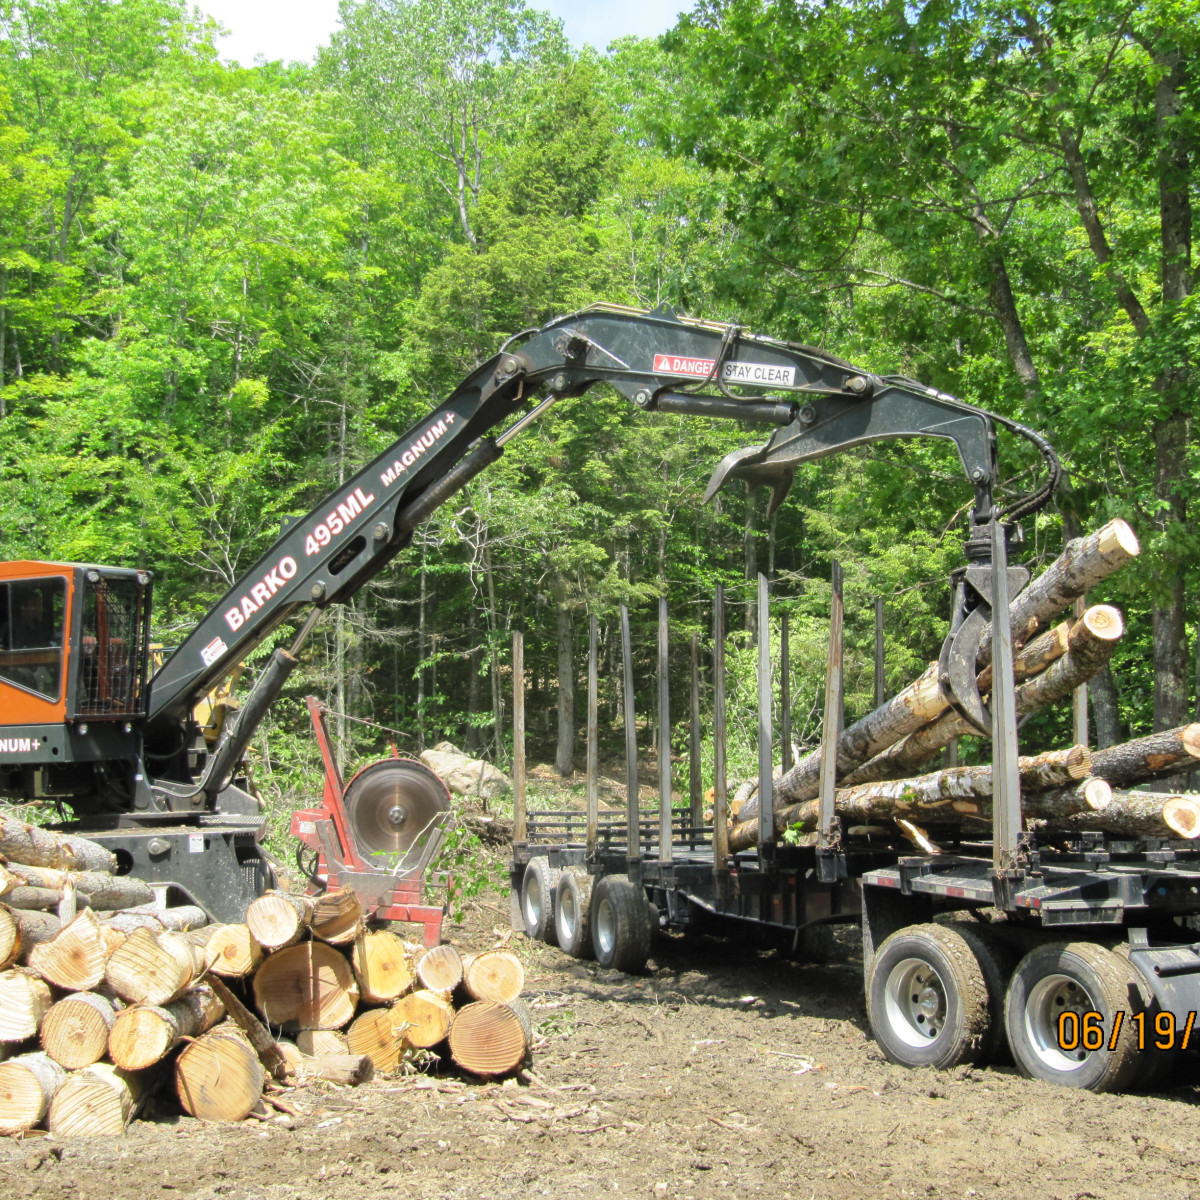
[(337, 916), (1140, 814), (126, 923), (24, 1001), (309, 986), (27, 1085), (349, 1070), (381, 966), (277, 919), (74, 959), (36, 898), (103, 891), (75, 1030), (232, 952), (259, 1036), (490, 1039), (33, 928), (440, 969), (181, 919), (378, 1034), (1149, 757), (150, 969), (146, 1033), (495, 975), (1095, 641), (948, 795), (98, 1101), (47, 848), (428, 1015), (218, 1077)]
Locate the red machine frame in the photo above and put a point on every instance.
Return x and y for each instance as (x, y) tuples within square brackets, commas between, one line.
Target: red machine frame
[(326, 831)]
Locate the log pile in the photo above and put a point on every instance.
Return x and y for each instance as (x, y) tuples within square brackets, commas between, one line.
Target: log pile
[(884, 760), (101, 1008)]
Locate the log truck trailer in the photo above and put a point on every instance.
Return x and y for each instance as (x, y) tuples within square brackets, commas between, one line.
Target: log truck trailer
[(83, 722)]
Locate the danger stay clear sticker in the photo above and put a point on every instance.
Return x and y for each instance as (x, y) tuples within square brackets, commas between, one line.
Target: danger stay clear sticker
[(731, 372)]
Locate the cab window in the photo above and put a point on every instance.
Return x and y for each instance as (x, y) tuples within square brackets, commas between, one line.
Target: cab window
[(32, 619)]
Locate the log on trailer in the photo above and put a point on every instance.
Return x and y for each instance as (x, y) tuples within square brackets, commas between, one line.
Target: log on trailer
[(1149, 757)]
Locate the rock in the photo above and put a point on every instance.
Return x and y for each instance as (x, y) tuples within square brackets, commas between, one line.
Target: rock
[(463, 775)]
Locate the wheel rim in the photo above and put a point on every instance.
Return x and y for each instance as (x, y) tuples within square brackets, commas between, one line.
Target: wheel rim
[(606, 927), (915, 1002), (533, 900), (1048, 999), (566, 913)]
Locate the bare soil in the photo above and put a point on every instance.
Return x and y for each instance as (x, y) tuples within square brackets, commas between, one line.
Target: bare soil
[(723, 1071)]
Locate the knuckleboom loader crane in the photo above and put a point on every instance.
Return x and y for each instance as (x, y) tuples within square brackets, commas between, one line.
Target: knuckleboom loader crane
[(82, 722)]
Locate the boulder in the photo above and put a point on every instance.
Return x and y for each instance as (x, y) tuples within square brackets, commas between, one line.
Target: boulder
[(464, 775)]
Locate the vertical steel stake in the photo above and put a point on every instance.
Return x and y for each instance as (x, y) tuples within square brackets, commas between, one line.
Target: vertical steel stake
[(785, 693), (695, 777), (1006, 782), (520, 826), (879, 680), (666, 835), (632, 831), (831, 726), (593, 738), (766, 789), (720, 791), (1081, 692)]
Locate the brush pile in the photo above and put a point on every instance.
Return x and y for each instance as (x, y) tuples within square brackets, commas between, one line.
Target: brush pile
[(106, 999)]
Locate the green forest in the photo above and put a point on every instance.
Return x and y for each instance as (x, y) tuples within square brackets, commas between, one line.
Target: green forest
[(224, 288)]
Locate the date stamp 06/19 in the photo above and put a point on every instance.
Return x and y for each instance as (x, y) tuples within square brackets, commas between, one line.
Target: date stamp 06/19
[(1087, 1031)]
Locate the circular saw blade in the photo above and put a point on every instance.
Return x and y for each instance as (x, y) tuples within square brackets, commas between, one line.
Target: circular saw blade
[(394, 808)]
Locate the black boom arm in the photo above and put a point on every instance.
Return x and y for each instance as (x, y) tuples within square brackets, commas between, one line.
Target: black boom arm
[(660, 362)]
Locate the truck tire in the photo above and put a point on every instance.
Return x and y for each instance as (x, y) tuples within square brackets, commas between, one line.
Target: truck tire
[(573, 912), (1078, 977), (997, 960), (620, 924), (537, 899), (928, 1000)]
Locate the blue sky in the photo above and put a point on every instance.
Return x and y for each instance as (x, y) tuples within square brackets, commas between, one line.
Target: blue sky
[(293, 29)]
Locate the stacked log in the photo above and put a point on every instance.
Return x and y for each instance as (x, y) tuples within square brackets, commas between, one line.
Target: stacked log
[(883, 759)]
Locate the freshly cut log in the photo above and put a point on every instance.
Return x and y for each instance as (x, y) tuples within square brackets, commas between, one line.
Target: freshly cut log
[(98, 1101), (131, 921), (150, 969), (1180, 813), (440, 969), (103, 891), (947, 795), (10, 939), (1146, 758), (75, 1030), (145, 1033), (1137, 814), (381, 966), (265, 1046), (1084, 563), (114, 939), (8, 880), (378, 1033), (315, 1042), (428, 1015), (309, 986), (490, 1039), (74, 958), (277, 919), (24, 1001), (349, 1070), (291, 1055), (1095, 642), (337, 916), (181, 919), (231, 951), (21, 843), (218, 1077), (1034, 657), (33, 928), (41, 899), (27, 1085), (493, 975)]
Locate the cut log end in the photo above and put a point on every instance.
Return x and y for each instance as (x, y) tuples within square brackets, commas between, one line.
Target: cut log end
[(495, 975), (1117, 536), (1182, 814), (310, 986), (1103, 622), (218, 1077), (379, 1035), (27, 1085), (1098, 794), (440, 969), (75, 1031), (489, 1039)]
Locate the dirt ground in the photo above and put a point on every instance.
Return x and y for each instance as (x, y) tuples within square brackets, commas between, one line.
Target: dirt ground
[(723, 1071)]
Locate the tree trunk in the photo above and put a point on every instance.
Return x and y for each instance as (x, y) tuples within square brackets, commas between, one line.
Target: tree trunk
[(310, 985), (1144, 814), (564, 758), (1160, 754), (750, 555), (21, 843), (490, 1039), (218, 1077), (1102, 691), (75, 1030), (347, 1070)]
